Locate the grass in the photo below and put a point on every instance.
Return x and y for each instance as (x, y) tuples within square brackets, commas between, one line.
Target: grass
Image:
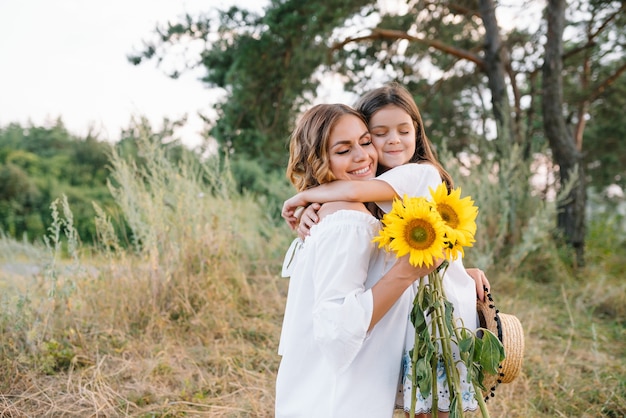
[(184, 321), (111, 353)]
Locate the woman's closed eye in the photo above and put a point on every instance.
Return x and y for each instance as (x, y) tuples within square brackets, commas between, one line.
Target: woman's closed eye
[(347, 150)]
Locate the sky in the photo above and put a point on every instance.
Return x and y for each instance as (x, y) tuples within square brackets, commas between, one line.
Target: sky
[(68, 59)]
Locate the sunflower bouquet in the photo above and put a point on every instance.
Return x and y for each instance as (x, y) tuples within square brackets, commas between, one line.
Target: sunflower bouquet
[(427, 230)]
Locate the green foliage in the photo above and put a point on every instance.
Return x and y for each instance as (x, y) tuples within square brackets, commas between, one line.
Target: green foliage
[(271, 188), (39, 164), (515, 232), (266, 63), (606, 238), (56, 356), (605, 154)]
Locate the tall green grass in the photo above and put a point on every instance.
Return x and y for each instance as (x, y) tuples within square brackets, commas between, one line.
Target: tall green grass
[(183, 317)]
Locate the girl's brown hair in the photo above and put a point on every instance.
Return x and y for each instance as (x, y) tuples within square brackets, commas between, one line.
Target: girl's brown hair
[(395, 94), (309, 159)]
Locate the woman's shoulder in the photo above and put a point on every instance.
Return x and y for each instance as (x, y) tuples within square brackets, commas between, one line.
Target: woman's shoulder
[(336, 215), (334, 207)]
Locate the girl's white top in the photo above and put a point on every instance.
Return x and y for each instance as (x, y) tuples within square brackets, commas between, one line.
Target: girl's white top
[(458, 286)]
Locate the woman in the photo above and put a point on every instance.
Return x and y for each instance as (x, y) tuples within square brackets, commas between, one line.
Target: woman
[(345, 320)]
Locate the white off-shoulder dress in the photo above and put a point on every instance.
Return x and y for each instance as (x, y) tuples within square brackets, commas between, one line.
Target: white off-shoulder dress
[(331, 365), (459, 288)]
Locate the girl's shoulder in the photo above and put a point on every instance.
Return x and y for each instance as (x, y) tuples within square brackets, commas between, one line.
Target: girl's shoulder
[(421, 167), (411, 170)]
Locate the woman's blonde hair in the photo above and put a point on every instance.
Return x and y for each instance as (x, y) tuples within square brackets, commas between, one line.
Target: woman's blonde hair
[(309, 159), (397, 95)]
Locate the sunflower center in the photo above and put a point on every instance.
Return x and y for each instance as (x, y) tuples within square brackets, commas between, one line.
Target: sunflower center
[(448, 215), (419, 234)]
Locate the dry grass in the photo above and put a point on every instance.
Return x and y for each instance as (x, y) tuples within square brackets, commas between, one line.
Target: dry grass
[(105, 355), (109, 352)]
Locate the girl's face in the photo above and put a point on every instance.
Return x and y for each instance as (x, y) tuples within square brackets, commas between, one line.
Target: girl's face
[(352, 155), (393, 134)]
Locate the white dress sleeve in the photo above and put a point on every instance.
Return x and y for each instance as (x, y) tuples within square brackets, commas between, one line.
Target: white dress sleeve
[(410, 179), (343, 307), (291, 257)]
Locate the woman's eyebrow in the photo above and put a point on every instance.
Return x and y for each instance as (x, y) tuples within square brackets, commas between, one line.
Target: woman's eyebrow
[(347, 141)]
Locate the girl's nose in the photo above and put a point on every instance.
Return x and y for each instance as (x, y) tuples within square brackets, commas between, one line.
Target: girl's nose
[(393, 138)]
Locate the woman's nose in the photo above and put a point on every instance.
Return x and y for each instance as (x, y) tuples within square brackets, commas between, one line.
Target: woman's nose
[(360, 153)]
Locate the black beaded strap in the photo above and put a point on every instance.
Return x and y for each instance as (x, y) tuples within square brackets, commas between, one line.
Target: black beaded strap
[(492, 305)]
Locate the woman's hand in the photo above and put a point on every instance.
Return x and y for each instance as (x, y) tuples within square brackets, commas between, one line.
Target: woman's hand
[(416, 272), (482, 283)]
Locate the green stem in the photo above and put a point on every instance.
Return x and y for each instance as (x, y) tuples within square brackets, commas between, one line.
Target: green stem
[(413, 373), (452, 373), (434, 408), (481, 400)]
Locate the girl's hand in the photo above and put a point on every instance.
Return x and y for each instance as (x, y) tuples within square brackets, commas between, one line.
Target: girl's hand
[(482, 283), (289, 211), (308, 218)]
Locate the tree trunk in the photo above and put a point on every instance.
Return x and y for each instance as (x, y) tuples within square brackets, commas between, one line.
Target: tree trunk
[(496, 62), (495, 67), (571, 216)]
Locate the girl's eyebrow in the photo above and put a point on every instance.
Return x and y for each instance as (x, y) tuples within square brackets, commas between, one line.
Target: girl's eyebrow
[(387, 126)]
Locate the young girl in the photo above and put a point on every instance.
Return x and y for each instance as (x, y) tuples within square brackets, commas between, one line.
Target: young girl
[(345, 319), (406, 162)]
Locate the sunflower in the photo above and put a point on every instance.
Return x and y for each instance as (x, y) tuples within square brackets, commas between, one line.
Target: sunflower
[(413, 227), (459, 214)]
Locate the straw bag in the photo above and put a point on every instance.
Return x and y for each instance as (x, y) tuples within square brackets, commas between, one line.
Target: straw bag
[(509, 331)]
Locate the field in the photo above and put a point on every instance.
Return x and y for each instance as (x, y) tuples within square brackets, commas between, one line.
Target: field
[(183, 320)]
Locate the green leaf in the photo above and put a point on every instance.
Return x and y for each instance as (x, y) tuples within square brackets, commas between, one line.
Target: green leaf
[(423, 376), (475, 374), (418, 319), (490, 353), (466, 345), (424, 298)]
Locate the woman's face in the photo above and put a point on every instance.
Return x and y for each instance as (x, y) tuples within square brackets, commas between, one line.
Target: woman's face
[(393, 135), (352, 155)]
